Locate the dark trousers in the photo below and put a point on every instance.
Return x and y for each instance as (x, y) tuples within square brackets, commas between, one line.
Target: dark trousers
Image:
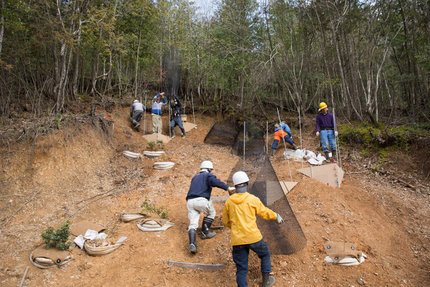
[(137, 117), (240, 257), (176, 121)]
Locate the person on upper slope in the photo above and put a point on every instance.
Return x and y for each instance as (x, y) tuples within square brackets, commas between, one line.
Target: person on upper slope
[(136, 112), (326, 129), (239, 215), (156, 112), (279, 135), (198, 200), (175, 118)]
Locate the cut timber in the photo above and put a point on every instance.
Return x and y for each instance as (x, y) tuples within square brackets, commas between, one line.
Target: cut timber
[(287, 186), (196, 265), (156, 137), (327, 173), (189, 126)]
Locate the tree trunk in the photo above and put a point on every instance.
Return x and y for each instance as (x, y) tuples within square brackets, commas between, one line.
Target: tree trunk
[(1, 26)]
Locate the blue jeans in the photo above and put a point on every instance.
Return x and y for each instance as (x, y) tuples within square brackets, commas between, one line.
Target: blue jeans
[(240, 257), (286, 138), (327, 138)]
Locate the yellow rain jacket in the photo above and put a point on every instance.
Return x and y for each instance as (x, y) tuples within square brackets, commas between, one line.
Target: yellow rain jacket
[(239, 215)]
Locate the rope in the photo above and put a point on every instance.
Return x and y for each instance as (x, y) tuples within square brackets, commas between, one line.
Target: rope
[(285, 146), (244, 138), (144, 115), (192, 104), (300, 127), (267, 137), (337, 150)]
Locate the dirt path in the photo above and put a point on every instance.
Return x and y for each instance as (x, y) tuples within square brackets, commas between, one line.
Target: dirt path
[(58, 179)]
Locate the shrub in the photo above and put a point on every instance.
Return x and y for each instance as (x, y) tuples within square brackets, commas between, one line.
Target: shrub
[(57, 238), (149, 207)]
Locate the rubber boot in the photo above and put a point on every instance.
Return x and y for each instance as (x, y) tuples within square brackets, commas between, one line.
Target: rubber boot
[(273, 153), (268, 280), (206, 234), (193, 242), (295, 147), (172, 131), (183, 133)]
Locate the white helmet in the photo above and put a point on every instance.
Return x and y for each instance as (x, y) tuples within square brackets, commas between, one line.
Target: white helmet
[(240, 177), (207, 164), (135, 101)]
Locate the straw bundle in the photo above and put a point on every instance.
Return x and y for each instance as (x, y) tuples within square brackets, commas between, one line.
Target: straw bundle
[(127, 217)]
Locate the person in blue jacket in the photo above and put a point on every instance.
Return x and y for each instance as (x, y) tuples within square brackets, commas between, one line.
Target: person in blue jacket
[(198, 200), (157, 102)]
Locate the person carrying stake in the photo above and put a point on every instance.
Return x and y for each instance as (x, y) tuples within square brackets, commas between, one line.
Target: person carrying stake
[(198, 200), (136, 112), (326, 129), (175, 118), (239, 215), (157, 124), (281, 134)]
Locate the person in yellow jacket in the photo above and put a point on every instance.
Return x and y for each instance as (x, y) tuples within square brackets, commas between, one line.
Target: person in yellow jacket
[(239, 215)]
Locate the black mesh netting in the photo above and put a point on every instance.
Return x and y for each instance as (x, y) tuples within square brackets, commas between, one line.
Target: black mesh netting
[(284, 238)]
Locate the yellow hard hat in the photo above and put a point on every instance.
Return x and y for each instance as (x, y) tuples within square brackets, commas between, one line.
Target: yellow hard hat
[(322, 106)]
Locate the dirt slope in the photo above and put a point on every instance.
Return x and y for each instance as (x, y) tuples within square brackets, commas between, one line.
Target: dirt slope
[(78, 174)]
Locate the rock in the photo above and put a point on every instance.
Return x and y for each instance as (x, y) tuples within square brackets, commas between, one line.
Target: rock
[(361, 282)]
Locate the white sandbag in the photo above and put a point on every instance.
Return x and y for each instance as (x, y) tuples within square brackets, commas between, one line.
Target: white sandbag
[(132, 155), (154, 225), (153, 153), (163, 165), (347, 260)]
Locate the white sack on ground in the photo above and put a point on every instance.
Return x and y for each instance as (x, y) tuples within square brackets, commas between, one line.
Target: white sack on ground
[(307, 155)]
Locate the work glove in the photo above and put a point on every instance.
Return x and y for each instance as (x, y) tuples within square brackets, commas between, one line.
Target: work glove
[(231, 190), (279, 219), (318, 134), (336, 133)]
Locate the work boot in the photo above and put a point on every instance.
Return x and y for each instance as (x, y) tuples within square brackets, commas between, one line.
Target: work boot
[(193, 242), (268, 280), (327, 157), (295, 147), (273, 154), (206, 234), (183, 135)]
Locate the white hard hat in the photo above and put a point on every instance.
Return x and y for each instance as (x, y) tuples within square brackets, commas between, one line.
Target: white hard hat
[(207, 164), (240, 177), (135, 101)]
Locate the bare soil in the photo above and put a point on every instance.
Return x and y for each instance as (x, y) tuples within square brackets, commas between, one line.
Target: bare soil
[(78, 173)]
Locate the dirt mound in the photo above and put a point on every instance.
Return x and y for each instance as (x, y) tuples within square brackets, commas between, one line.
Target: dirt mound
[(78, 174)]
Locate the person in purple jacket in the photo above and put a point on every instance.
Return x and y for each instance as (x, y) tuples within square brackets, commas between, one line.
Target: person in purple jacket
[(198, 200), (326, 129)]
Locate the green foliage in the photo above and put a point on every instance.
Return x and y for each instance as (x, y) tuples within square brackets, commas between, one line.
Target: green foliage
[(149, 207), (380, 140), (57, 238), (155, 146)]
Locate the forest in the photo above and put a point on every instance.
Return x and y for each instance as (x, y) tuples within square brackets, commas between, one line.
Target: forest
[(369, 59)]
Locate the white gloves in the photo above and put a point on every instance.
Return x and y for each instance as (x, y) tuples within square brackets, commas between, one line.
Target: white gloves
[(318, 134), (279, 219), (231, 190), (336, 133)]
